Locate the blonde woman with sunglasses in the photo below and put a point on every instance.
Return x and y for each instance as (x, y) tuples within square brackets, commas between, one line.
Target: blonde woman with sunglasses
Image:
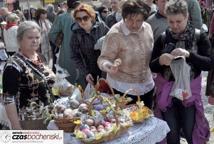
[(86, 32)]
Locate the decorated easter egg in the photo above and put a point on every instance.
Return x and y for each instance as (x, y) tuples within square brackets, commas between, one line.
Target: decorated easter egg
[(90, 122), (106, 124), (96, 101), (84, 126), (113, 120), (83, 107), (89, 134), (74, 103), (68, 113), (60, 108), (100, 128), (93, 129), (99, 107), (60, 116)]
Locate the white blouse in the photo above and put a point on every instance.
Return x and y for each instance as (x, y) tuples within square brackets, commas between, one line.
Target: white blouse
[(139, 88)]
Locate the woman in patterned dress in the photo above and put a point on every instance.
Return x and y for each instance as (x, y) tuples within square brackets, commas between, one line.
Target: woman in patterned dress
[(26, 79)]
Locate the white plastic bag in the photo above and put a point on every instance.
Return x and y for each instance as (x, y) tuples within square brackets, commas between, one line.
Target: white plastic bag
[(181, 71), (88, 91), (62, 86)]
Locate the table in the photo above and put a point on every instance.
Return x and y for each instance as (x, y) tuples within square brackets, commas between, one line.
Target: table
[(151, 131)]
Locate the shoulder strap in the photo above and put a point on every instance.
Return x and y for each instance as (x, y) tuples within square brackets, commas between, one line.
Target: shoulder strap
[(166, 37), (72, 25), (195, 40), (197, 34), (163, 37)]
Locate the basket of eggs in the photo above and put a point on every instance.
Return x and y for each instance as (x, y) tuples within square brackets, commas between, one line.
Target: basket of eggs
[(65, 118), (69, 110), (101, 124)]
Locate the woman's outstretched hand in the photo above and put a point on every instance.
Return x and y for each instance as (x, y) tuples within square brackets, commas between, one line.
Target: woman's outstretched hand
[(112, 68)]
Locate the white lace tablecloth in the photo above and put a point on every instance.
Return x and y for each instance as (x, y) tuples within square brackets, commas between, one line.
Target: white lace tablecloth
[(151, 131)]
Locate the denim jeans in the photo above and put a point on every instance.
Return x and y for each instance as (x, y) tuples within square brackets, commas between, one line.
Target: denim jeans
[(180, 119)]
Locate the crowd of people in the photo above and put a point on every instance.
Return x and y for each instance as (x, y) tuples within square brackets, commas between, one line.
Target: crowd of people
[(158, 48)]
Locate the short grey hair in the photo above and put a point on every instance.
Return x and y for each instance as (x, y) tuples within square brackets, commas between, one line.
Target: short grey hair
[(174, 7), (24, 26)]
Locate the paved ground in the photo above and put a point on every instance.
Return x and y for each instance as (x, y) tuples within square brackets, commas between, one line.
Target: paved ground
[(209, 111)]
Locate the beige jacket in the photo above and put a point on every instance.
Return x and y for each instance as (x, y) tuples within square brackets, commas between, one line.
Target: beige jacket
[(134, 49)]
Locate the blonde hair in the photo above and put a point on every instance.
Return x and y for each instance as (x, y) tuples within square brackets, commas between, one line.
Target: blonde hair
[(85, 8)]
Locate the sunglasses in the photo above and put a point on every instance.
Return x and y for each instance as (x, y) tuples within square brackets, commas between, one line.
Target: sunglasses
[(104, 11), (84, 18)]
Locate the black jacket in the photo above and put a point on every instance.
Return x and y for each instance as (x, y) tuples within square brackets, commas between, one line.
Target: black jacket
[(82, 46), (199, 60)]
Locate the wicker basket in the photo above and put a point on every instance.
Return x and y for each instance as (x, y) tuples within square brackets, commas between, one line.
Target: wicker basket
[(112, 134), (121, 102), (67, 125)]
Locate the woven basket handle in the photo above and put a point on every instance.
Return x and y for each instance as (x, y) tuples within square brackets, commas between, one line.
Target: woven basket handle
[(81, 90), (129, 90), (123, 105)]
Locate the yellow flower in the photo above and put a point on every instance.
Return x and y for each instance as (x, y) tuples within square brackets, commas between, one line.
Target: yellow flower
[(80, 134), (134, 115), (55, 91), (77, 122)]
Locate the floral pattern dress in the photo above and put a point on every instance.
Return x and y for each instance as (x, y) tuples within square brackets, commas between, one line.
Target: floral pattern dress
[(28, 84)]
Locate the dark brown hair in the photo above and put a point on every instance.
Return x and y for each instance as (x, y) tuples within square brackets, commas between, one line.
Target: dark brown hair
[(40, 11), (133, 7)]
